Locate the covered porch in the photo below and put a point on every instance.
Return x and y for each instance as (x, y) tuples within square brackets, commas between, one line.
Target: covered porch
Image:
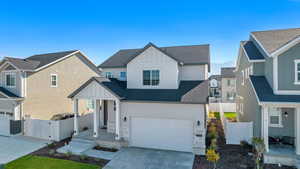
[(106, 112), (281, 133)]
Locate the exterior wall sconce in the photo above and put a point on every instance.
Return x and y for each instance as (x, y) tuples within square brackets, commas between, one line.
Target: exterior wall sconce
[(125, 119), (198, 123), (286, 114)]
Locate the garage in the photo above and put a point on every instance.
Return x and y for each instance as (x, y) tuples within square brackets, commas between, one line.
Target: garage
[(167, 134)]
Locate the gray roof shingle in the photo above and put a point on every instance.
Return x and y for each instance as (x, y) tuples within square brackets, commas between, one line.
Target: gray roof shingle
[(265, 93), (8, 93), (37, 61), (194, 54), (274, 39), (188, 91), (227, 72), (252, 52)]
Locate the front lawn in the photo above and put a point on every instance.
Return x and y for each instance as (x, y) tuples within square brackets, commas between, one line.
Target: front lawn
[(37, 162), (230, 115)]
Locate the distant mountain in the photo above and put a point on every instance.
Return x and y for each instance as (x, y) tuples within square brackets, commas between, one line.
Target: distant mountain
[(216, 67)]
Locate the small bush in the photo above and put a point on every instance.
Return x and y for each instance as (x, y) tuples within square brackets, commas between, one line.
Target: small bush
[(51, 145), (68, 154), (83, 157), (52, 152)]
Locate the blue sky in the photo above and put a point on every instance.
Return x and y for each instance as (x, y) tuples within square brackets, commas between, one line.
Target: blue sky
[(100, 28)]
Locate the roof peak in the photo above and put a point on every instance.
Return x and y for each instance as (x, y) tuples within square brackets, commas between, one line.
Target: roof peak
[(152, 44)]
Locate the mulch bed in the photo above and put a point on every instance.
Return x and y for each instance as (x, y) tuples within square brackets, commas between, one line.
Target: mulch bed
[(105, 149), (49, 151), (231, 156)]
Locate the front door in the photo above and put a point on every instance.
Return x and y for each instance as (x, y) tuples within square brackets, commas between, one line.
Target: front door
[(105, 113)]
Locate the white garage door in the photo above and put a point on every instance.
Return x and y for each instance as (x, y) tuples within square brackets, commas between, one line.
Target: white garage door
[(166, 134)]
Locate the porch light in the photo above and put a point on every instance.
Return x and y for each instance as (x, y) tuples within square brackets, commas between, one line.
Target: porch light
[(125, 119), (198, 123), (286, 114)]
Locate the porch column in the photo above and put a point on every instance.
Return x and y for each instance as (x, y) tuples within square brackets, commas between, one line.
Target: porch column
[(75, 110), (117, 119), (96, 117), (265, 126), (297, 130)]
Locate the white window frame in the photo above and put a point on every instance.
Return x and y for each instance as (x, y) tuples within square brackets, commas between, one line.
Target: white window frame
[(151, 71), (51, 80), (108, 75), (13, 74), (275, 112), (296, 82), (243, 77)]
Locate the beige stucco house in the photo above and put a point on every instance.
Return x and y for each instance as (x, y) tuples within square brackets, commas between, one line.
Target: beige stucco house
[(37, 87), (152, 97)]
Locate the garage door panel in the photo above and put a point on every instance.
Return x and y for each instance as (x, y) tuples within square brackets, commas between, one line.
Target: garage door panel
[(162, 134)]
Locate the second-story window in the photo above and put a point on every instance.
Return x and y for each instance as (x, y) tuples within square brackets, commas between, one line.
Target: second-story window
[(151, 77), (108, 75), (10, 79), (54, 80), (297, 71), (123, 75)]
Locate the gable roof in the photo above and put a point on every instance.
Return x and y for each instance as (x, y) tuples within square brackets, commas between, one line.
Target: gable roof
[(251, 51), (190, 55), (272, 40), (265, 93), (227, 72), (217, 77), (7, 93), (188, 91), (38, 62)]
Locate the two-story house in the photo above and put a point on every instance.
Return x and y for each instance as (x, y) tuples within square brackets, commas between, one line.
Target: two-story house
[(268, 89), (215, 88), (228, 87), (152, 97), (37, 87)]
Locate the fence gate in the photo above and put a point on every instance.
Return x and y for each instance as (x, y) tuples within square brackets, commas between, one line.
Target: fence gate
[(39, 128)]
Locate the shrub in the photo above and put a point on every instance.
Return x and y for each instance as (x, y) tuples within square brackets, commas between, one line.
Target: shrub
[(259, 147), (68, 154), (51, 145), (212, 156), (83, 157), (52, 152)]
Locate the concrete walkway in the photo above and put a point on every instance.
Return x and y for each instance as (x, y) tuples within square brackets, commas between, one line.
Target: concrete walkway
[(14, 147), (138, 158)]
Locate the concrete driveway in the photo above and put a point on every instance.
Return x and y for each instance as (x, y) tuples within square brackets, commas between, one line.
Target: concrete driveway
[(14, 147), (138, 158)]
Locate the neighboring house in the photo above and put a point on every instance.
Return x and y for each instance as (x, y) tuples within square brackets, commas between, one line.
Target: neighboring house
[(228, 84), (38, 86), (268, 78), (215, 88), (153, 97)]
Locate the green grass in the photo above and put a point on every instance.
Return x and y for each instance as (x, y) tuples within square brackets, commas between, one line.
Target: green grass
[(230, 115), (37, 162)]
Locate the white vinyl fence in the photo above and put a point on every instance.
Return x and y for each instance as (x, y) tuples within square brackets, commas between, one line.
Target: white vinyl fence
[(226, 107), (4, 126), (55, 130), (235, 132)]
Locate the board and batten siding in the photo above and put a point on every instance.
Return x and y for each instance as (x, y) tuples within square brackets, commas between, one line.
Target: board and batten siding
[(153, 59), (193, 72)]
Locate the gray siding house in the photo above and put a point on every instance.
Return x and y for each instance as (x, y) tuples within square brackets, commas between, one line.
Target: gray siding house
[(228, 86), (268, 91)]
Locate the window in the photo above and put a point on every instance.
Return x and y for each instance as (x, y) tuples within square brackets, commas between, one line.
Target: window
[(123, 75), (115, 108), (297, 71), (275, 117), (151, 77), (53, 80), (228, 82), (108, 75), (243, 78), (10, 79), (90, 105)]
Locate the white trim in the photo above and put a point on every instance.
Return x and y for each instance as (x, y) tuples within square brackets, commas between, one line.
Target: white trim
[(58, 60), (255, 92), (243, 77), (275, 75), (252, 61), (286, 47), (6, 61), (56, 80), (296, 62)]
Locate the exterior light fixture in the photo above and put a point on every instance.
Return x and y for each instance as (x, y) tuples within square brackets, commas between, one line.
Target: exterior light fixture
[(286, 114), (198, 123), (125, 119)]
